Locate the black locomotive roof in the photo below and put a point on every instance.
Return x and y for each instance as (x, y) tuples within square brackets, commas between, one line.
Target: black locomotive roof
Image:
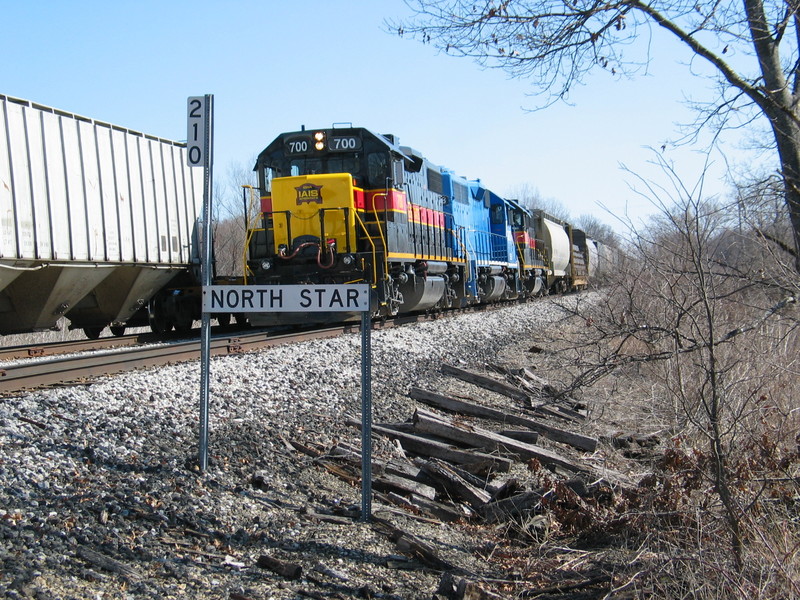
[(411, 156)]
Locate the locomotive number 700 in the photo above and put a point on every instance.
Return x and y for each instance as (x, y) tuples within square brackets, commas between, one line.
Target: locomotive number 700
[(298, 146), (344, 143)]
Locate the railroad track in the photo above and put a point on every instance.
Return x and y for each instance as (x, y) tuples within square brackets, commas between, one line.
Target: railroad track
[(27, 375), (107, 356)]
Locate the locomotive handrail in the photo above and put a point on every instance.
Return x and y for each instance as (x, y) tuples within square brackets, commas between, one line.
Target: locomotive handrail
[(497, 251), (380, 230), (463, 245), (250, 228), (374, 253), (322, 235)]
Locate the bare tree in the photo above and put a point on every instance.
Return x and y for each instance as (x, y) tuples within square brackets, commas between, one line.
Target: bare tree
[(526, 194), (714, 336), (598, 230), (749, 48), (529, 196), (232, 201)]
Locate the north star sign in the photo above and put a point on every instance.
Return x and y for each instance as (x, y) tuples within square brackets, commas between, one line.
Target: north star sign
[(286, 298)]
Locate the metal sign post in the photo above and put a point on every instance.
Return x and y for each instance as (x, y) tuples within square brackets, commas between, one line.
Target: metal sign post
[(312, 298), (366, 417), (199, 152)]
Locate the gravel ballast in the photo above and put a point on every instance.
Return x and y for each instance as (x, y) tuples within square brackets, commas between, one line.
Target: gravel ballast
[(100, 496)]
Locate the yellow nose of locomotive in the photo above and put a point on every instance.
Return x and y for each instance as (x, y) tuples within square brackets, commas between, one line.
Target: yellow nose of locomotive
[(314, 206)]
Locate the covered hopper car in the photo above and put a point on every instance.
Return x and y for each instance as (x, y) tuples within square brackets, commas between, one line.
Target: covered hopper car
[(97, 223)]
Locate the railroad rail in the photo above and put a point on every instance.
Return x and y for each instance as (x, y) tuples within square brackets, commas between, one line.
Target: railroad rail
[(27, 375), (35, 350)]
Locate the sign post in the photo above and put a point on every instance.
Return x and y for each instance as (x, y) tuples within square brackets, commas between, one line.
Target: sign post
[(199, 153), (312, 298), (366, 417)]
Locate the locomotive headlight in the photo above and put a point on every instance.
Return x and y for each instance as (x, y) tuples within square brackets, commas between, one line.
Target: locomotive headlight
[(319, 140), (266, 264), (348, 260)]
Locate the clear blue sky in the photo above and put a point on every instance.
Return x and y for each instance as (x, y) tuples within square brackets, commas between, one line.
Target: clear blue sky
[(273, 66)]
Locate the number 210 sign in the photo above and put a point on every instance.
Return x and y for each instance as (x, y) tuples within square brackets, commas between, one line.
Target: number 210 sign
[(196, 135)]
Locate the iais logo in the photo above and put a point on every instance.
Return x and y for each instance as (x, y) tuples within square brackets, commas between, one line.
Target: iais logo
[(308, 192)]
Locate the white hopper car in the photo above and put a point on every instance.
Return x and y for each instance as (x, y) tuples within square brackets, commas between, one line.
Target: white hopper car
[(95, 220)]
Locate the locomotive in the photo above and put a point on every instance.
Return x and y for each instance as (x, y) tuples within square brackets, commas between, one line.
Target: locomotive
[(346, 205)]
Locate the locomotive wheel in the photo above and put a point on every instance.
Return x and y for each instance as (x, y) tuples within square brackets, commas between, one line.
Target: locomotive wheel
[(118, 330)]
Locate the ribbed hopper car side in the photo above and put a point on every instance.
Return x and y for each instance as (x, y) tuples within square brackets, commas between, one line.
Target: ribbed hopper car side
[(607, 259), (95, 219)]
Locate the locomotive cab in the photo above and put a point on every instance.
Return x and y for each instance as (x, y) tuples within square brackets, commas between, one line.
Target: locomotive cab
[(529, 250)]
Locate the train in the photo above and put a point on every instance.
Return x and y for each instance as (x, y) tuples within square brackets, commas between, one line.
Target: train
[(346, 205), (99, 225)]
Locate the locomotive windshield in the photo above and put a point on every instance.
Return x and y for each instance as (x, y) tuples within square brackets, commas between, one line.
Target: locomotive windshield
[(328, 164)]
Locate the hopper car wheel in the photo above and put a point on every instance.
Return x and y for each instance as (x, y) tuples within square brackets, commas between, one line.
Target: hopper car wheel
[(118, 330), (93, 333), (182, 313), (224, 319)]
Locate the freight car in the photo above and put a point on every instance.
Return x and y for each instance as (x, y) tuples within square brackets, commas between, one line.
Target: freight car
[(97, 224), (344, 205)]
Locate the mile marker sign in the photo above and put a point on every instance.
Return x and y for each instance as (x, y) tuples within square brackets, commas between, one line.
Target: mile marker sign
[(286, 298)]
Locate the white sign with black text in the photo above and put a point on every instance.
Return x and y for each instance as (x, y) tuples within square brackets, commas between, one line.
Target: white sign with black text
[(196, 138), (286, 298)]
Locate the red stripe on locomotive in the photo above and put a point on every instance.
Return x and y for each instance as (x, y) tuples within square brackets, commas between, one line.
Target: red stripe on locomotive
[(381, 200), (523, 238)]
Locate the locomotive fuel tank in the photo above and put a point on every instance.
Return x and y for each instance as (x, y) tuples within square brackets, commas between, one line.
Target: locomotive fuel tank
[(494, 287), (421, 293)]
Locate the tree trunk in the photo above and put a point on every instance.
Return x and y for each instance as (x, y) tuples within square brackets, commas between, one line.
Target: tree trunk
[(777, 99), (787, 136)]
